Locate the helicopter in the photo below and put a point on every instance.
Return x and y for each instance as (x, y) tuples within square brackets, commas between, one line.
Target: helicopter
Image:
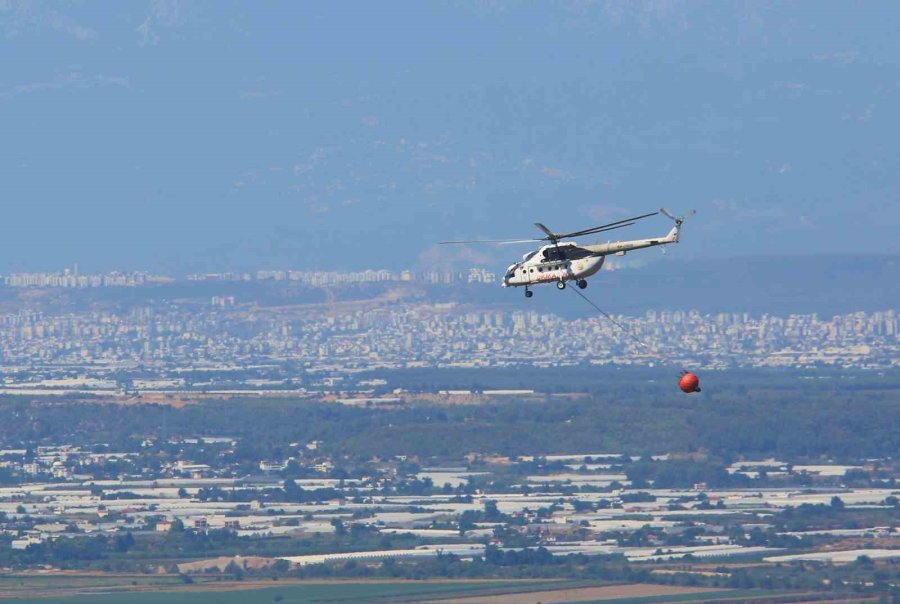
[(562, 261)]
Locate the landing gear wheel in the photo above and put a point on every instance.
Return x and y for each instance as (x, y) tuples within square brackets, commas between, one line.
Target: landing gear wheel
[(528, 293), (560, 285), (582, 283)]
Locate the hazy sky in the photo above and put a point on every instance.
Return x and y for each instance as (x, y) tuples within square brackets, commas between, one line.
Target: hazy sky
[(184, 136)]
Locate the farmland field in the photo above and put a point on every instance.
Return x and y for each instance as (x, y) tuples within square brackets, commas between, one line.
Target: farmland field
[(61, 589), (606, 593)]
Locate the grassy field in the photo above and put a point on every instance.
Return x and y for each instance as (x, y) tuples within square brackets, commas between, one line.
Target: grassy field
[(101, 590), (21, 585)]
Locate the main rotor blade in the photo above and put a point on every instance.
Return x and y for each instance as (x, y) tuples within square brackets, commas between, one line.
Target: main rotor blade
[(609, 226), (668, 214), (555, 237), (550, 234), (501, 241), (598, 230)]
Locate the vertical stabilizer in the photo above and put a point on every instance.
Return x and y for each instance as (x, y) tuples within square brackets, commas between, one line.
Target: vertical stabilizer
[(672, 237)]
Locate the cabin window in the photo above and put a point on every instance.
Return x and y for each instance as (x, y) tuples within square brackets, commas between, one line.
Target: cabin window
[(577, 253), (568, 252)]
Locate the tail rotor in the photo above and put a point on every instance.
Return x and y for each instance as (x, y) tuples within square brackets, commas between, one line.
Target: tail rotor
[(674, 234), (678, 220)]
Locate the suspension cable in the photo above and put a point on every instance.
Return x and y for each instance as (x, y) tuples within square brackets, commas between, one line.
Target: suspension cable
[(621, 326), (686, 387)]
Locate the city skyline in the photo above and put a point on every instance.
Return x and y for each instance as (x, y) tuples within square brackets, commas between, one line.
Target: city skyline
[(167, 335)]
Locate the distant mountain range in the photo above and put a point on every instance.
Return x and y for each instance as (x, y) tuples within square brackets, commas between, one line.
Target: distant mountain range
[(314, 135)]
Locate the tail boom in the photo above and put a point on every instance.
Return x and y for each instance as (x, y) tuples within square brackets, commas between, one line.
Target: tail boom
[(621, 247)]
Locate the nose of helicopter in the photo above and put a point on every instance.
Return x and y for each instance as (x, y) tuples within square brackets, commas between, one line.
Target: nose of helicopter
[(507, 277)]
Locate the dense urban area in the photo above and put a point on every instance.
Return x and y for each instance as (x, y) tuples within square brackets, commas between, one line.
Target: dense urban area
[(169, 336)]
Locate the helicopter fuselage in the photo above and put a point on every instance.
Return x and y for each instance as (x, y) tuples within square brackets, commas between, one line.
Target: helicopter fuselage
[(567, 261), (538, 268)]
